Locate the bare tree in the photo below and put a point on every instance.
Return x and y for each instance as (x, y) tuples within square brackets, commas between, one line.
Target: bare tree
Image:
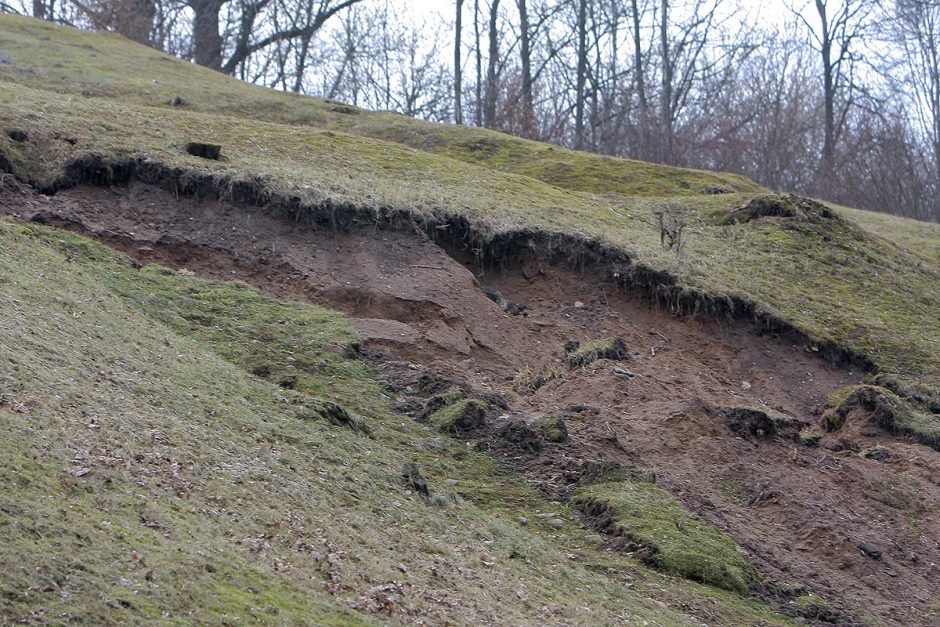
[(492, 63), (309, 16), (916, 26), (639, 81), (525, 58), (582, 63), (841, 24), (478, 51), (133, 19), (458, 66)]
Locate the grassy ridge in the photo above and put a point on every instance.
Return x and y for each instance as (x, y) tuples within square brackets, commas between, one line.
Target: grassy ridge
[(155, 479), (105, 66)]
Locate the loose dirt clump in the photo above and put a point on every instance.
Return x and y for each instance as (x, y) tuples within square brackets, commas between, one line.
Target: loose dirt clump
[(522, 436), (413, 478), (760, 423), (871, 405), (213, 152), (585, 353), (461, 416)]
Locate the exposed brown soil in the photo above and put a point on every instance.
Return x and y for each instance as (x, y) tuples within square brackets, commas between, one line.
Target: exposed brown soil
[(799, 512)]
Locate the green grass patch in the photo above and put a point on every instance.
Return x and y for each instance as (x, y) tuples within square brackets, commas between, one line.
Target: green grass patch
[(666, 535)]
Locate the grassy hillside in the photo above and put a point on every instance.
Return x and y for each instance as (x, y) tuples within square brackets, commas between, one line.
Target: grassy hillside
[(152, 478), (106, 67), (159, 477), (868, 283)]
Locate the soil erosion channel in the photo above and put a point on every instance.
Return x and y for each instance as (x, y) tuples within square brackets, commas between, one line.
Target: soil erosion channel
[(677, 397)]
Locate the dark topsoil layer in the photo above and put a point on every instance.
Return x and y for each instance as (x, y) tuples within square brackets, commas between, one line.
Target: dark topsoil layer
[(798, 512)]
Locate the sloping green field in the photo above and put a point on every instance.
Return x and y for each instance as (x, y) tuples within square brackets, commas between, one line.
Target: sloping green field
[(108, 67)]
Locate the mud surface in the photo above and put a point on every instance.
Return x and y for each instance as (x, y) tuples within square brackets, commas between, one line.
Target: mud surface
[(800, 513)]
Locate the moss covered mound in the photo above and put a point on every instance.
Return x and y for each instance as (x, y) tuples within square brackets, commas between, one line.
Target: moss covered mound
[(651, 524)]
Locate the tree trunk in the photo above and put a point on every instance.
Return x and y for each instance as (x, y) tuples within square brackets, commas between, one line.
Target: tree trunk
[(478, 113), (665, 104), (829, 96), (528, 105), (207, 42), (138, 25), (489, 112), (639, 79), (39, 9), (458, 69), (582, 74)]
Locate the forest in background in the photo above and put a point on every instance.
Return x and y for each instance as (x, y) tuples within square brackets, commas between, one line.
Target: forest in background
[(838, 99)]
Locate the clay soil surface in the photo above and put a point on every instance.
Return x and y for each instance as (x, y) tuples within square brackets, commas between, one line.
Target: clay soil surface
[(798, 512)]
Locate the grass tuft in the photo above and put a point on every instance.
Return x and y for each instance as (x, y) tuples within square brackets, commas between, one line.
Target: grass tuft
[(580, 354), (553, 428), (462, 415)]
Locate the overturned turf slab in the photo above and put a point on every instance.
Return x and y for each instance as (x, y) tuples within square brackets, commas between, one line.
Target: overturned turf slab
[(463, 415), (645, 520), (884, 409)]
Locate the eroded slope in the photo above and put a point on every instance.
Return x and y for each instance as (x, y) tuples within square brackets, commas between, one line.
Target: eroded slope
[(158, 474), (799, 500)]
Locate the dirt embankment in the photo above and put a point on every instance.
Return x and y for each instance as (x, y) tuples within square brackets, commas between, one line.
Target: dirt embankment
[(800, 511)]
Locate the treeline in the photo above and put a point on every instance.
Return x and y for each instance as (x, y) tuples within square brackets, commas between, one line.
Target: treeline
[(835, 98)]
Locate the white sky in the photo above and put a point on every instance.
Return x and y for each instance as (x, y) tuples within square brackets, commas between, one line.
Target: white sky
[(770, 10)]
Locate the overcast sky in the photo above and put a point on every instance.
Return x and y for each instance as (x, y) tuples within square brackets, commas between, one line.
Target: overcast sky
[(770, 10)]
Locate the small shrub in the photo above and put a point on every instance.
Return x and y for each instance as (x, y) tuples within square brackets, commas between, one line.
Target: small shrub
[(671, 226)]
